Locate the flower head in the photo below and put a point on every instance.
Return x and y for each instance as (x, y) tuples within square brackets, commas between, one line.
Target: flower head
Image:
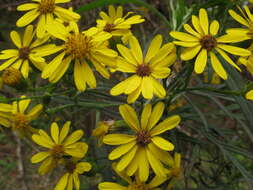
[(146, 71), (175, 173), (19, 118), (45, 11), (11, 76), (144, 148), (71, 178), (28, 51), (201, 42), (115, 23), (102, 129), (59, 145), (80, 47)]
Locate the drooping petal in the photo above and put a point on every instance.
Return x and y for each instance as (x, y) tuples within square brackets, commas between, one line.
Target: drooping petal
[(79, 76), (147, 88), (155, 164), (190, 53), (62, 182), (201, 61), (217, 66)]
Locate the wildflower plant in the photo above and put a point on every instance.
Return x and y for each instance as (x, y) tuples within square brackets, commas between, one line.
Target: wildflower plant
[(90, 89)]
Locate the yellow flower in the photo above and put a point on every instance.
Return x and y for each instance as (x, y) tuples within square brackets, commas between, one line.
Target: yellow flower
[(175, 173), (247, 61), (59, 146), (117, 24), (11, 76), (249, 95), (27, 52), (146, 70), (71, 177), (132, 184), (45, 11), (20, 119), (201, 42), (247, 20), (144, 148), (80, 47), (102, 129), (5, 112)]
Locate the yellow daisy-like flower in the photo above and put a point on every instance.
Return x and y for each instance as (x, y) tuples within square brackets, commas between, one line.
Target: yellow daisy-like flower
[(175, 173), (146, 70), (45, 11), (5, 112), (249, 95), (71, 178), (132, 184), (80, 47), (247, 20), (201, 42), (102, 129), (59, 146), (144, 148), (20, 118), (27, 52), (115, 23), (11, 76)]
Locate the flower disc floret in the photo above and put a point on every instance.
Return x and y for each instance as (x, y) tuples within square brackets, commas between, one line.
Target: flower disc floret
[(46, 6)]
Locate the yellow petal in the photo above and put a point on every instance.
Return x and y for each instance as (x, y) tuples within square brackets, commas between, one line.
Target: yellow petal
[(196, 24), (55, 132), (75, 136), (121, 150), (147, 88), (159, 90), (127, 54), (165, 125), (25, 69), (62, 182), (183, 36), (203, 20), (28, 35), (66, 14), (35, 111), (126, 159), (110, 186), (132, 84), (40, 141), (125, 66), (143, 165), (238, 18), (214, 27), (218, 68), (163, 52), (79, 76), (23, 104), (136, 50), (46, 166), (15, 37), (190, 53), (249, 95), (162, 143), (162, 155), (201, 61), (90, 78), (27, 6), (146, 112), (186, 44), (64, 131), (155, 115), (155, 164), (134, 95), (190, 30), (41, 26), (83, 167), (153, 48), (130, 117), (39, 157), (232, 38), (234, 50), (118, 139), (28, 18)]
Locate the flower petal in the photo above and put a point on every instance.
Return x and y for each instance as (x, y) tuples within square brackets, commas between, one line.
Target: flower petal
[(28, 18), (126, 159), (146, 112), (153, 48), (55, 132), (203, 20), (155, 115), (162, 143), (190, 53), (201, 61), (217, 66), (75, 136), (39, 157), (130, 117), (214, 27), (136, 50), (64, 131), (121, 150), (118, 139)]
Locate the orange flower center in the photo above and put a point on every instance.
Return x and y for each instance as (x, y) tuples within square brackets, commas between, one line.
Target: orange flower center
[(11, 76), (20, 121), (143, 70), (208, 42), (46, 6), (143, 138), (78, 45), (24, 52), (57, 151), (109, 27)]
